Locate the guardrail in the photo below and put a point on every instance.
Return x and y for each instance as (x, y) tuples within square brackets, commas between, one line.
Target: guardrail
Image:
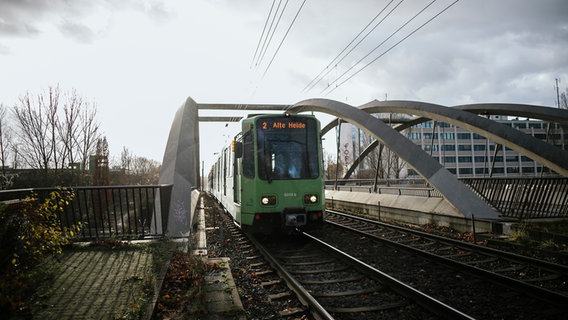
[(414, 187), (120, 212), (517, 198), (523, 198)]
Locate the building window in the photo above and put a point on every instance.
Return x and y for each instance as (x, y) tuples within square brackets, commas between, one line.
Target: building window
[(499, 170), (464, 147), (478, 137), (449, 159), (481, 170), (479, 147), (428, 136), (464, 159), (464, 135), (466, 171), (528, 170), (526, 159), (513, 170), (429, 147)]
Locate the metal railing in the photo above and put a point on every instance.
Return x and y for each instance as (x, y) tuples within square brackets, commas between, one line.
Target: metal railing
[(411, 187), (523, 198), (120, 212), (517, 198)]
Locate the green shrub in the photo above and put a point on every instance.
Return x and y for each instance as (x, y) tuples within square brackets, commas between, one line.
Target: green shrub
[(29, 232)]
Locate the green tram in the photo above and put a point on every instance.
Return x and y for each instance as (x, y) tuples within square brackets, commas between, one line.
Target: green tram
[(271, 177)]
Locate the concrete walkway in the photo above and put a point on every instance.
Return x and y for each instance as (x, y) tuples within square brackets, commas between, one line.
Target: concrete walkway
[(92, 283)]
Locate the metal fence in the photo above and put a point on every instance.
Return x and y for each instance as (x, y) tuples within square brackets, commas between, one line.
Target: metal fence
[(121, 212), (523, 198), (411, 187), (517, 198)]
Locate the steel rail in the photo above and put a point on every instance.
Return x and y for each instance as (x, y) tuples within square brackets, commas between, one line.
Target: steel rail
[(540, 293), (550, 266), (422, 299), (316, 309)]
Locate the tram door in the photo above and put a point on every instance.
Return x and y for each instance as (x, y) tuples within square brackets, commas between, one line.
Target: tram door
[(237, 162), (224, 172)]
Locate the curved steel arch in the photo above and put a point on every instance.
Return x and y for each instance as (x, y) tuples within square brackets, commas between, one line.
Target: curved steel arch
[(453, 190), (518, 110), (521, 110), (554, 158)]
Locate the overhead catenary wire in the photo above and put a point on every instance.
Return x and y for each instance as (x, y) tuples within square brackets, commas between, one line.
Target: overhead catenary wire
[(284, 38), (267, 35), (265, 48), (389, 49), (327, 69), (379, 45), (262, 34)]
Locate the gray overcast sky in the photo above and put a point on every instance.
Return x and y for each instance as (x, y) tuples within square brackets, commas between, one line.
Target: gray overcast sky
[(140, 60)]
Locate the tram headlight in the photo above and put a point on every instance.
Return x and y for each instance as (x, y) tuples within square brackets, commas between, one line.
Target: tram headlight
[(268, 200), (310, 198)]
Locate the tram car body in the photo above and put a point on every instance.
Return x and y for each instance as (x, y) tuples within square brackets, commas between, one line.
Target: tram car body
[(270, 179)]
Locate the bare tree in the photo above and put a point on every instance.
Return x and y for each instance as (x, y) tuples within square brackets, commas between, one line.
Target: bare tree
[(4, 139), (563, 103), (126, 159), (55, 130), (101, 174), (68, 128), (34, 131), (78, 130), (145, 171)]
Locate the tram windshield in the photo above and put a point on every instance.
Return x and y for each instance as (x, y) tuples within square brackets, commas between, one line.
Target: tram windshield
[(287, 148)]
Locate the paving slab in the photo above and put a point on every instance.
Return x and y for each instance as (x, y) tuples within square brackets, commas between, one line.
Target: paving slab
[(97, 284)]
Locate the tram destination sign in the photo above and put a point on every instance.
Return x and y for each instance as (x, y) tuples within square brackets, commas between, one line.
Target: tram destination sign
[(278, 124)]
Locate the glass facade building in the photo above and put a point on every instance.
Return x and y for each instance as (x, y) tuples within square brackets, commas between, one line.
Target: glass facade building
[(468, 154)]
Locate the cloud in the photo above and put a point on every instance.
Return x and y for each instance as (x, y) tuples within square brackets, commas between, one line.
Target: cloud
[(4, 50), (74, 19), (77, 31)]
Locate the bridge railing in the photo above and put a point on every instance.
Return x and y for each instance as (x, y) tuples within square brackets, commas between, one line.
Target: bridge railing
[(118, 212), (411, 187), (524, 198), (517, 198)]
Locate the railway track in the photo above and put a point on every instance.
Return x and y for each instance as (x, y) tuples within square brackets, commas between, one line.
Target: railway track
[(263, 292), (303, 277), (502, 283), (335, 285), (308, 276)]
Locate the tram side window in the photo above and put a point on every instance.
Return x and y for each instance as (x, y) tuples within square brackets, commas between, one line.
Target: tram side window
[(248, 155)]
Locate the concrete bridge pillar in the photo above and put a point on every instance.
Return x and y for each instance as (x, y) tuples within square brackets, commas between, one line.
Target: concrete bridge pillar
[(180, 167)]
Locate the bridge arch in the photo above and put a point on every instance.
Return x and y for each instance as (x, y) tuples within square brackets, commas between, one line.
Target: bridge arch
[(530, 146), (458, 194), (464, 116)]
